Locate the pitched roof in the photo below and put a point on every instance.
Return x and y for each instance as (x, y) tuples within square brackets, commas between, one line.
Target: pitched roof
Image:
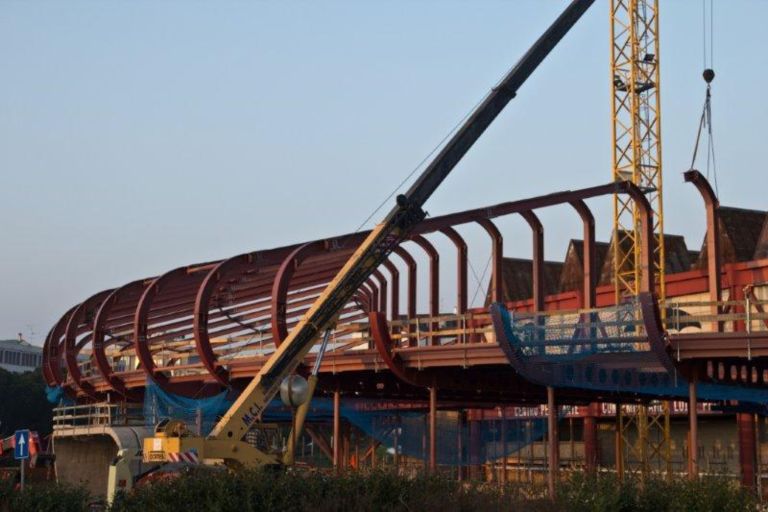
[(573, 269), (677, 257), (761, 251), (740, 231), (517, 279)]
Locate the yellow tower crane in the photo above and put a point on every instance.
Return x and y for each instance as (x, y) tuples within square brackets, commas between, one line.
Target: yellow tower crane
[(636, 131), (642, 430)]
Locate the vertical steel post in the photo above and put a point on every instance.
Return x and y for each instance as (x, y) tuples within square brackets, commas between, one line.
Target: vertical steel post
[(373, 443), (397, 441), (474, 448), (619, 443), (337, 429), (590, 438), (432, 429), (553, 448), (693, 445), (459, 448), (503, 478), (747, 448)]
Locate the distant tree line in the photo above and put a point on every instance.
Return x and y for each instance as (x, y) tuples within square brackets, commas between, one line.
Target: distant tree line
[(23, 403)]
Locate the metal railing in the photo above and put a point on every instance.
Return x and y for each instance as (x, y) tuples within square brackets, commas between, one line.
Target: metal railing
[(98, 414)]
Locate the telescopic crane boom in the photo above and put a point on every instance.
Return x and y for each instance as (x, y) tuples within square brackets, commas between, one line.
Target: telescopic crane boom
[(225, 440)]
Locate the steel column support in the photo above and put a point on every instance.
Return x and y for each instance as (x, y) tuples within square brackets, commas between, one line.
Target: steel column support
[(474, 447), (503, 476), (619, 443), (590, 438), (336, 429), (553, 443), (693, 430), (432, 429), (747, 449)]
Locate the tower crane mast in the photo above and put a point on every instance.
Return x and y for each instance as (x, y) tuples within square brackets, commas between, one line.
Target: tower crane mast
[(636, 130)]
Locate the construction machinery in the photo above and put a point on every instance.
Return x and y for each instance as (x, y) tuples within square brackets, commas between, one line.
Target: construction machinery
[(642, 431), (226, 441)]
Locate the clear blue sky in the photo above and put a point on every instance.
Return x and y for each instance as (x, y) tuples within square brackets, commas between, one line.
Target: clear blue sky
[(140, 136)]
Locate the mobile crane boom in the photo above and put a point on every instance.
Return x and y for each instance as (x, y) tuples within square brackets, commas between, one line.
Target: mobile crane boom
[(225, 440)]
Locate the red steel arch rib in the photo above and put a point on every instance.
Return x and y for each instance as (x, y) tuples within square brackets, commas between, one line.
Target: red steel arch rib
[(193, 325), (77, 334), (113, 320)]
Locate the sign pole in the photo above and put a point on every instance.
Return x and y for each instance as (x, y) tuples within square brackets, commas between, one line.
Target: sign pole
[(21, 442)]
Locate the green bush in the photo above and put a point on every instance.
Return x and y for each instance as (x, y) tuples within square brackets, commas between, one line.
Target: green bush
[(45, 498), (582, 493), (207, 489), (265, 491)]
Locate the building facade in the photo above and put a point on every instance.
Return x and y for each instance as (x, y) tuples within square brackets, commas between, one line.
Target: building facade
[(18, 356)]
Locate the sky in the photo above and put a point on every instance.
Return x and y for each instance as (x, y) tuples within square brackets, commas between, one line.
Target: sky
[(136, 137)]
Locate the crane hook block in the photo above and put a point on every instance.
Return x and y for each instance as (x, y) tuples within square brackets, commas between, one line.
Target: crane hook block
[(708, 75)]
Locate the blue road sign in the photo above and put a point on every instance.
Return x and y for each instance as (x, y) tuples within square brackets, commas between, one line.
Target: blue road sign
[(21, 446)]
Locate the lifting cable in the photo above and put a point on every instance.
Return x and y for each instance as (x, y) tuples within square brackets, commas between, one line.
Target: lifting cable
[(706, 114)]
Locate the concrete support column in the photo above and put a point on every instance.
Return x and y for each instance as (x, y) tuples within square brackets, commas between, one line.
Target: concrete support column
[(432, 429), (553, 447), (693, 431), (336, 429), (747, 448)]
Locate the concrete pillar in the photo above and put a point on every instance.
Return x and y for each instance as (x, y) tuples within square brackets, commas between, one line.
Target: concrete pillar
[(747, 448), (553, 447)]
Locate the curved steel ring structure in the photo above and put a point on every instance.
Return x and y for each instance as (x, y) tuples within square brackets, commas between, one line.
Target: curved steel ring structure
[(198, 329)]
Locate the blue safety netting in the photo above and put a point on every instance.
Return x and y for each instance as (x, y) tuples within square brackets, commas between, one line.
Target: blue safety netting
[(561, 348), (55, 395), (459, 443)]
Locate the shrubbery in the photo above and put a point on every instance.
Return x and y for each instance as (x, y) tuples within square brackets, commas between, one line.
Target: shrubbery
[(264, 491)]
